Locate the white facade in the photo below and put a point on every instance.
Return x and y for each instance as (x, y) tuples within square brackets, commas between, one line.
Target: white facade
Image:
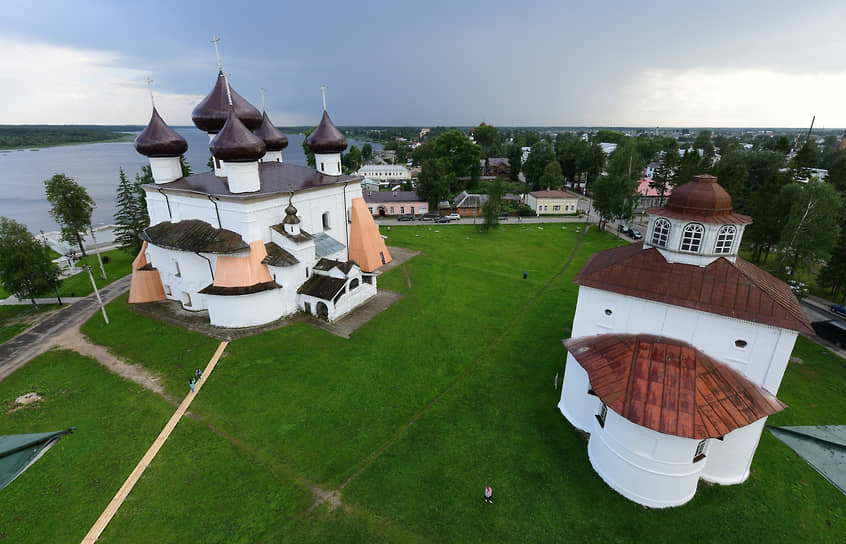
[(693, 242), (384, 172), (553, 205), (328, 163)]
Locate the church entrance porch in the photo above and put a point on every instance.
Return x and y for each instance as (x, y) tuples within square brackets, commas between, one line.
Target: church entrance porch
[(322, 311)]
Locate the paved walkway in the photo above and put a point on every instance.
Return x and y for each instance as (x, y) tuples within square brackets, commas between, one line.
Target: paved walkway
[(23, 347), (135, 475), (12, 300)]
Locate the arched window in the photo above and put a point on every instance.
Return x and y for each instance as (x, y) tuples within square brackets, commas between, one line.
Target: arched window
[(353, 284), (660, 233), (725, 239), (692, 237)]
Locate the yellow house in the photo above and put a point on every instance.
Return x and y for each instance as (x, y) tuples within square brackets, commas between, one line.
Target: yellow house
[(553, 202)]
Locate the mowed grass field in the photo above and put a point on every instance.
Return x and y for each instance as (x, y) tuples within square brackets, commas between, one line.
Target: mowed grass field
[(449, 390)]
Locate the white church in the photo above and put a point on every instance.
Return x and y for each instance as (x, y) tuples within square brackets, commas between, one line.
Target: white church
[(257, 238), (677, 352)]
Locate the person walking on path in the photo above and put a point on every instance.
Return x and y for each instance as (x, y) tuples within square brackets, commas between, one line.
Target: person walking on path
[(488, 495), (191, 383), (198, 373)]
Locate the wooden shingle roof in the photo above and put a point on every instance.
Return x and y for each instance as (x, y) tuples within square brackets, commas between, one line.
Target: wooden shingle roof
[(193, 235), (669, 386), (740, 290)]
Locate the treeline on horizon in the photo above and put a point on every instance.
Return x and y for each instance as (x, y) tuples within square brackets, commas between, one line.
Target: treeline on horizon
[(22, 136)]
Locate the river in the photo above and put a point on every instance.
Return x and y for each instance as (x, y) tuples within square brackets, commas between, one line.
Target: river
[(97, 168)]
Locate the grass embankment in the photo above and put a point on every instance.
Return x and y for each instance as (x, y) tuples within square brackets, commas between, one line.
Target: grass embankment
[(16, 319), (299, 407)]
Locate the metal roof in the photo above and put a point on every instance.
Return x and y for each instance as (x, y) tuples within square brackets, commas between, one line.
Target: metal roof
[(325, 245)]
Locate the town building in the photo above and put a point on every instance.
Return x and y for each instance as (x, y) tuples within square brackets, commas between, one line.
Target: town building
[(469, 204), (553, 202), (387, 203), (649, 197), (256, 238), (496, 167), (385, 172), (677, 351)]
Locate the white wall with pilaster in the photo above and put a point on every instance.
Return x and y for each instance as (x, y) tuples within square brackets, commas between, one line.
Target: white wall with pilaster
[(182, 272), (728, 460), (246, 310)]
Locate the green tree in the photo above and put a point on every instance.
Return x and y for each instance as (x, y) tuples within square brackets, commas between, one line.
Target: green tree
[(810, 230), (782, 145), (492, 207), (703, 142), (609, 136), (540, 155), (808, 156), (690, 164), (351, 160), (308, 153), (458, 154), (837, 172), (130, 215), (552, 176), (366, 152), (26, 269), (486, 136), (833, 274), (431, 185), (515, 161), (71, 207), (625, 161), (614, 197), (186, 169)]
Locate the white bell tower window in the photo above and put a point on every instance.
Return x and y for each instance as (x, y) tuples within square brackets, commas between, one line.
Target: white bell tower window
[(725, 239), (660, 233), (692, 238)]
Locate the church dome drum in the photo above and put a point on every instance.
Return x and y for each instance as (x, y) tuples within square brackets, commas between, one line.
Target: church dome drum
[(159, 140), (210, 115)]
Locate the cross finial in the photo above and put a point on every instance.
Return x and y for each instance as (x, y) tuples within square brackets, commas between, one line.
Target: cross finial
[(228, 92), (323, 90), (150, 85), (262, 99), (215, 39)]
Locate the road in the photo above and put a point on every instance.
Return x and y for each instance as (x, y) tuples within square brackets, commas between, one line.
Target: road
[(23, 347), (817, 309)]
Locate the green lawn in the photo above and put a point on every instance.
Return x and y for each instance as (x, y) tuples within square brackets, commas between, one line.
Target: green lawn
[(480, 347), (16, 319), (79, 285), (60, 496)]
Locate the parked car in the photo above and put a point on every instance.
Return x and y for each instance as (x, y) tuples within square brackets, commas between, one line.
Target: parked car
[(453, 216), (503, 216), (444, 219), (838, 309), (833, 330), (406, 217), (430, 217), (634, 233)]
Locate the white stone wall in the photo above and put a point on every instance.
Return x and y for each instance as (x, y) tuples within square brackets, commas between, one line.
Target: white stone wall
[(246, 310), (728, 460), (705, 255), (763, 359), (182, 272)]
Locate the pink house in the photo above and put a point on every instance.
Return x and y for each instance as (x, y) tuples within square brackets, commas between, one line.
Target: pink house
[(649, 197)]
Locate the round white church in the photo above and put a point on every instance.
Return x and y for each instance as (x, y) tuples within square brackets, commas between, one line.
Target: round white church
[(678, 349)]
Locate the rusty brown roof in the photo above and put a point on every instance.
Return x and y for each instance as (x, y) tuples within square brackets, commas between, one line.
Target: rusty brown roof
[(193, 235), (669, 386), (701, 199), (740, 290), (275, 177)]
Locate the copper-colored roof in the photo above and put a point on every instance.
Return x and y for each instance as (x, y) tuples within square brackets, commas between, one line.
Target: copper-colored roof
[(740, 290), (367, 247), (276, 178), (146, 284), (235, 143), (159, 140), (701, 199), (210, 114), (273, 138), (326, 138), (193, 235), (669, 386)]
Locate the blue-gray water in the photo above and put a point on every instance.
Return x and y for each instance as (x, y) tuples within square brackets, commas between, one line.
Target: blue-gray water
[(96, 167)]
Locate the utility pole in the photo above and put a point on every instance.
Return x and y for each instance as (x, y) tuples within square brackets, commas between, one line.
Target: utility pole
[(97, 249), (96, 292)]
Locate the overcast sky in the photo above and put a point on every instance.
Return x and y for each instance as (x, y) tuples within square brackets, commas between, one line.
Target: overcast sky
[(432, 62)]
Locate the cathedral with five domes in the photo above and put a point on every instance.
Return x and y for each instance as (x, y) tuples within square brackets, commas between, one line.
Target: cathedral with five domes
[(256, 238)]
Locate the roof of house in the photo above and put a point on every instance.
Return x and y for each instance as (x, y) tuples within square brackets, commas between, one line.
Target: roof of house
[(470, 200), (377, 197), (193, 235), (277, 256), (328, 264), (739, 290), (553, 194), (498, 161), (383, 168), (669, 386), (644, 189), (323, 287), (275, 178)]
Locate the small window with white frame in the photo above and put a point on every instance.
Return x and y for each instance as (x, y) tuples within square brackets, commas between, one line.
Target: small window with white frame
[(692, 238), (725, 239), (660, 232), (700, 451), (603, 413)]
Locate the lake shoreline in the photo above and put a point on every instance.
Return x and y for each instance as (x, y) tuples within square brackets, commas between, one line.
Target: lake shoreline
[(126, 138)]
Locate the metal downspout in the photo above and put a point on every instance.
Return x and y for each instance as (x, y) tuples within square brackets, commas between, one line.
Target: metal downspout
[(169, 213), (216, 211)]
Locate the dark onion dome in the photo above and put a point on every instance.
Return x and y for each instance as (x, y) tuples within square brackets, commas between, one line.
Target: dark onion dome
[(210, 114), (235, 143), (291, 214), (159, 140), (273, 138), (326, 138)]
